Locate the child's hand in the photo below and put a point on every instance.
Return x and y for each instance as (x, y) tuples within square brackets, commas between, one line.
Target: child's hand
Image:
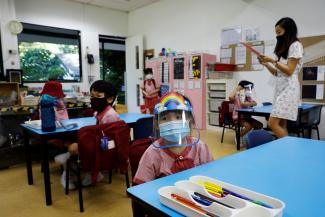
[(73, 148)]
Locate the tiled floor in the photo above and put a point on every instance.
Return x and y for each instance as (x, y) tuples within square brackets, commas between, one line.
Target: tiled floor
[(18, 199)]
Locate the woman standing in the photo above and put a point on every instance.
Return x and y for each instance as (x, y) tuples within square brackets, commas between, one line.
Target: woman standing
[(285, 68)]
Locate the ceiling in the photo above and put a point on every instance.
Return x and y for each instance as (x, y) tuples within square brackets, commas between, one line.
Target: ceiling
[(123, 5)]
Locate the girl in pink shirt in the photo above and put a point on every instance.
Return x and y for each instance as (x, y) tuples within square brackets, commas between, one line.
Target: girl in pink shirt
[(150, 91), (176, 148), (103, 98)]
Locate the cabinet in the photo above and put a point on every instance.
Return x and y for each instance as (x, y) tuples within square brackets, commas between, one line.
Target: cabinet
[(218, 91)]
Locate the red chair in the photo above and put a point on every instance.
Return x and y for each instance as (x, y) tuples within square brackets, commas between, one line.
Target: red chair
[(93, 159), (225, 117)]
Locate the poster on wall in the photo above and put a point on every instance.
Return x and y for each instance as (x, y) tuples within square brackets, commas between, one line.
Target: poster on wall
[(179, 68), (195, 67)]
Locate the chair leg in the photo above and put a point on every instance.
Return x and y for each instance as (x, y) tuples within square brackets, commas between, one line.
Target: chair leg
[(127, 182), (110, 176), (67, 176), (317, 132), (223, 132), (81, 204)]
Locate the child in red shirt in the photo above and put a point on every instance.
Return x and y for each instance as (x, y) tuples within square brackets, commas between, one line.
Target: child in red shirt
[(150, 91)]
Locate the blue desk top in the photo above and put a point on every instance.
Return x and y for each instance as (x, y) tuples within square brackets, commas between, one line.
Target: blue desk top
[(290, 169), (129, 118), (268, 108)]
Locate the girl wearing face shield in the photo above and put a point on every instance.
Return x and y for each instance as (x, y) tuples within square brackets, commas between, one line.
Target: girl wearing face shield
[(242, 98), (177, 146)]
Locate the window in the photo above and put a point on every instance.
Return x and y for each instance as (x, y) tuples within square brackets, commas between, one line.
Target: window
[(49, 53), (112, 62), (2, 77)]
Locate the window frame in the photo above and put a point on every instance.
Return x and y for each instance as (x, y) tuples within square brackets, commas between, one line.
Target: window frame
[(2, 74), (54, 32)]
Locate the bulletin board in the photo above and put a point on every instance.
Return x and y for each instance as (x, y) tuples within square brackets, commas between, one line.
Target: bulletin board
[(242, 57), (311, 77)]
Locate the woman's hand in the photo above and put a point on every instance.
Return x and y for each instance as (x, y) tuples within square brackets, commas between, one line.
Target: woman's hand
[(265, 59)]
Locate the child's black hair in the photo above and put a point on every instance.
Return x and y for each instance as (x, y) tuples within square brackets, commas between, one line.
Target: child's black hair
[(104, 87), (147, 71), (244, 83)]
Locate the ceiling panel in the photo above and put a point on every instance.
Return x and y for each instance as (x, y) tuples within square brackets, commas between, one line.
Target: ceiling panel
[(123, 5)]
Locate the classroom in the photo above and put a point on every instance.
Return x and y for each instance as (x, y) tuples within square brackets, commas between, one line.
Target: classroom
[(201, 59)]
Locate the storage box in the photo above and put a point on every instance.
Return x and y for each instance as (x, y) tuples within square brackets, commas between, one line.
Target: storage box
[(240, 202), (221, 86), (213, 119), (224, 67), (220, 75), (214, 104), (9, 94)]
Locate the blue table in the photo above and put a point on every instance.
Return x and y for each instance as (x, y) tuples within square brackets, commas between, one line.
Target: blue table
[(291, 169), (129, 118), (263, 111)]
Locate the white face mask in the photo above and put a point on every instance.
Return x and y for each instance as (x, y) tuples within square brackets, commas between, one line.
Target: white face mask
[(149, 76)]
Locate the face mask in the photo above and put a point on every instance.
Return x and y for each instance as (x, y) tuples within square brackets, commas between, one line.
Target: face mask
[(280, 38), (149, 76), (98, 104), (174, 131)]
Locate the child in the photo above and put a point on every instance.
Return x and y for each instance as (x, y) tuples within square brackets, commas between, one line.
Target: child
[(150, 91), (242, 98), (103, 97), (175, 149)]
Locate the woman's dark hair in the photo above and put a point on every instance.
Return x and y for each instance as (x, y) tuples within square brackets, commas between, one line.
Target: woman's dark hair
[(147, 71), (244, 83), (104, 87), (289, 36)]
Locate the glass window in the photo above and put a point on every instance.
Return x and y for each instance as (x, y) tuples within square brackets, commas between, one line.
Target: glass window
[(2, 77), (49, 53), (112, 62)]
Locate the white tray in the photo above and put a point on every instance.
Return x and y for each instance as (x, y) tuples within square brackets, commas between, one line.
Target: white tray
[(242, 208)]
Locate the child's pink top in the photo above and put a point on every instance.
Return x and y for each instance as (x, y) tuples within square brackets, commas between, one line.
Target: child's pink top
[(149, 87), (109, 115), (61, 112), (158, 162), (238, 105)]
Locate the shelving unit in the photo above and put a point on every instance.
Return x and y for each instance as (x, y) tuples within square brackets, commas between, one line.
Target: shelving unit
[(218, 91)]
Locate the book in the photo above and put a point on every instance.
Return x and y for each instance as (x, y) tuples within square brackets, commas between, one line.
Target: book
[(249, 47)]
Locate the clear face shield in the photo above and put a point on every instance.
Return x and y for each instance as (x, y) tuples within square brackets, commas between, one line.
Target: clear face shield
[(174, 123)]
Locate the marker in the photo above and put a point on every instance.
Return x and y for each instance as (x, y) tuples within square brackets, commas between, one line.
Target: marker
[(212, 200), (201, 200), (246, 198), (192, 205)]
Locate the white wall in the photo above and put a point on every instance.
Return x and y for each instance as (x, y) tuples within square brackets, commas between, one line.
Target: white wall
[(90, 20), (191, 25)]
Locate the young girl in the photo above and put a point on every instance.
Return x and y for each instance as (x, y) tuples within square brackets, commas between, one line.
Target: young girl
[(242, 98), (150, 91), (103, 97), (285, 67), (176, 148)]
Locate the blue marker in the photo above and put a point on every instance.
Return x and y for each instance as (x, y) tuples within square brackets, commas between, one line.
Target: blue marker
[(201, 201), (246, 198)]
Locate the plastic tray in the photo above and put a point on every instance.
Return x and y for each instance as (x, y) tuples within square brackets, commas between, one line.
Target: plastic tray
[(242, 208)]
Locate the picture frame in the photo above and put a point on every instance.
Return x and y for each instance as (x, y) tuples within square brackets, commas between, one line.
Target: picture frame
[(15, 75)]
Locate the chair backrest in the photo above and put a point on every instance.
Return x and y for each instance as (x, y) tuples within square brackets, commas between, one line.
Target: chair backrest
[(314, 116), (93, 158), (143, 128), (258, 137), (225, 113), (137, 148)]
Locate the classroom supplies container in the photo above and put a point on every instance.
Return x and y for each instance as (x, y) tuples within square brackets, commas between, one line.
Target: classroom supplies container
[(226, 206)]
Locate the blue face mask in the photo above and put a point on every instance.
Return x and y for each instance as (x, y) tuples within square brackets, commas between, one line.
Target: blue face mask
[(174, 131)]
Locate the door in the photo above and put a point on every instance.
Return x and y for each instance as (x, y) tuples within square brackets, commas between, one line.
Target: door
[(134, 69)]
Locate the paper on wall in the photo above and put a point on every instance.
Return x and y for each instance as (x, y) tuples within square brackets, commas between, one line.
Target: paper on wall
[(320, 91), (197, 84), (240, 53), (190, 84), (320, 73)]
